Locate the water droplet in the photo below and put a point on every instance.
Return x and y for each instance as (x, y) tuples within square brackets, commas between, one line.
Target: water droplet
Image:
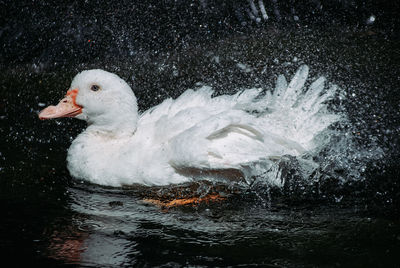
[(371, 20)]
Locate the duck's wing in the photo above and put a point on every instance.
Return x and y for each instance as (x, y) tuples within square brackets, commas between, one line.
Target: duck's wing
[(230, 140), (205, 132), (172, 117)]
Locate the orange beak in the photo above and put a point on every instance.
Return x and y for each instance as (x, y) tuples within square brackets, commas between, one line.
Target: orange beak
[(67, 107)]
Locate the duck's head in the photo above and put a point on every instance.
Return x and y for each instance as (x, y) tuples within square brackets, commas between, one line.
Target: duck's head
[(101, 98)]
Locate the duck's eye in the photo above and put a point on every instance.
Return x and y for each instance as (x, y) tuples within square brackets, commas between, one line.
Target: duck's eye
[(94, 87)]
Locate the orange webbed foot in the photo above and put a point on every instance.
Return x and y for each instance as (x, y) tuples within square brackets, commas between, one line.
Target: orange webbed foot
[(193, 201)]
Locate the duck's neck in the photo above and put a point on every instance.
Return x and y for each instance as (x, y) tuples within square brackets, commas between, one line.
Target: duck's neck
[(117, 127)]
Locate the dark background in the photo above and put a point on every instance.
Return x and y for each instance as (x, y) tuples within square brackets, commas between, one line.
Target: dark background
[(46, 33), (164, 47)]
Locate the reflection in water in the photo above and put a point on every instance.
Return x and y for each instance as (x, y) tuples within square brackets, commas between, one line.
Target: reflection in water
[(90, 247), (67, 246), (105, 250), (93, 236)]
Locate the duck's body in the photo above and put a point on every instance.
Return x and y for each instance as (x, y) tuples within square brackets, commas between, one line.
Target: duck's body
[(195, 133)]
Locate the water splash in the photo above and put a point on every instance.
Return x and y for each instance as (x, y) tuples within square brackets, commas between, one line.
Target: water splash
[(314, 117)]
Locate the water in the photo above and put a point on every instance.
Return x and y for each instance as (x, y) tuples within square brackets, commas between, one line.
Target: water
[(113, 227), (344, 214)]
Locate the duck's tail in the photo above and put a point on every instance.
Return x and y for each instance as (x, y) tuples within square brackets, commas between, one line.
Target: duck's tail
[(293, 111), (302, 112), (294, 115)]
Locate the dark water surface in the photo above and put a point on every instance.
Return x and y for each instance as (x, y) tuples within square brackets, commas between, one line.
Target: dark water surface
[(347, 216)]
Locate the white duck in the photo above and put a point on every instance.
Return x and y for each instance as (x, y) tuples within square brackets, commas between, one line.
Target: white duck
[(229, 135)]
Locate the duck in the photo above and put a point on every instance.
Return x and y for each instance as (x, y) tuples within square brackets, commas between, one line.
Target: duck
[(196, 135)]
